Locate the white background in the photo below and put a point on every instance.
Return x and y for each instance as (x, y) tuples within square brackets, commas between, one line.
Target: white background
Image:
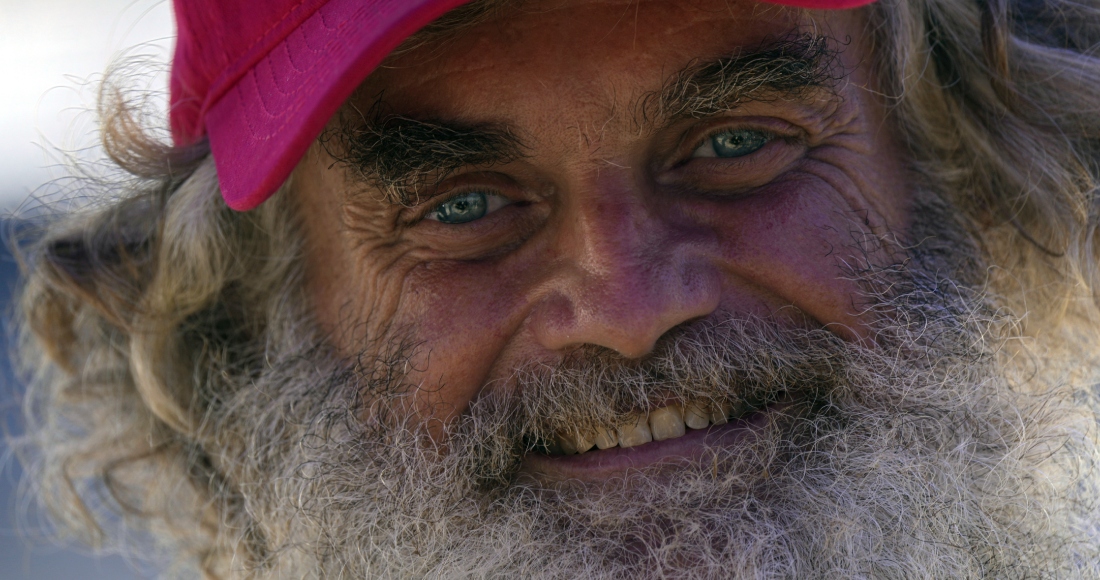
[(52, 52)]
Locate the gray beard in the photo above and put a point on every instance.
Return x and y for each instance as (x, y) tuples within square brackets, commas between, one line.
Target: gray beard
[(931, 454)]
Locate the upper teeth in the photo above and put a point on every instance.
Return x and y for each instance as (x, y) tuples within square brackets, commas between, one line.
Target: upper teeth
[(635, 433), (666, 422)]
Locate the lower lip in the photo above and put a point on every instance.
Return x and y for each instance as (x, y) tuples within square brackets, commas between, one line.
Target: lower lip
[(602, 464)]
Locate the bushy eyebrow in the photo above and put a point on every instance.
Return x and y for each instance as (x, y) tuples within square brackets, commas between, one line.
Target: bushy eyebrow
[(795, 68), (401, 156)]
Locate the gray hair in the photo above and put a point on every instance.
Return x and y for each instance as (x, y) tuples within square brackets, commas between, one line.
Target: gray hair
[(140, 315)]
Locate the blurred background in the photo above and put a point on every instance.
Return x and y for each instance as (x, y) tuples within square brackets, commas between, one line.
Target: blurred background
[(54, 54)]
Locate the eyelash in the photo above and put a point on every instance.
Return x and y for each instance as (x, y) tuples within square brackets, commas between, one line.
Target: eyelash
[(772, 136), (432, 205), (774, 127)]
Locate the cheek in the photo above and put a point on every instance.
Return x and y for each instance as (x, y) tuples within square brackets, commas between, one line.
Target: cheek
[(793, 239), (462, 315)]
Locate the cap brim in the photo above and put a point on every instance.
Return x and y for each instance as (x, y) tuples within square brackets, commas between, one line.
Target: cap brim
[(264, 123)]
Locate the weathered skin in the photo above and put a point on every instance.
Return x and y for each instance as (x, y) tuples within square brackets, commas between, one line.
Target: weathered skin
[(614, 235)]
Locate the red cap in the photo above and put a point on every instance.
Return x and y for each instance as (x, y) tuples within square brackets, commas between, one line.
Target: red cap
[(261, 79)]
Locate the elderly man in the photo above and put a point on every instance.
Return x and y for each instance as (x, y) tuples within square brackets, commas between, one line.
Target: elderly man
[(589, 288)]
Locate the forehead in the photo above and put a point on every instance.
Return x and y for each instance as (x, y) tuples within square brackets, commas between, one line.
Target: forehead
[(594, 52)]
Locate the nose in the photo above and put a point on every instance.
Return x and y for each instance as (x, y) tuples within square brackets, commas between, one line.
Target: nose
[(625, 275)]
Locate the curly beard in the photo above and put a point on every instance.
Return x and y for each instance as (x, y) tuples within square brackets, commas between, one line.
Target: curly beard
[(932, 452)]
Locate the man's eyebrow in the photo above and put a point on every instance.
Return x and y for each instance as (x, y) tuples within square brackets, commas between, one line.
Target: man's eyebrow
[(401, 156), (794, 68)]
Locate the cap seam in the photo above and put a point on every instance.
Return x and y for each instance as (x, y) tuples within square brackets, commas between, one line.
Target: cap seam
[(248, 59)]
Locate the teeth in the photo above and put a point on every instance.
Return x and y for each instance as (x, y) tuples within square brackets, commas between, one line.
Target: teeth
[(695, 416), (721, 413), (574, 444), (583, 444), (661, 424), (666, 423), (606, 439), (636, 434)]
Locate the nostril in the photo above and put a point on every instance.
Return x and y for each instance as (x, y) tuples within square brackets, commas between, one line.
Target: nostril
[(626, 310), (620, 322)]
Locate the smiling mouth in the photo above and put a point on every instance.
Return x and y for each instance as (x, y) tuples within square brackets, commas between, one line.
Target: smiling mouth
[(672, 432)]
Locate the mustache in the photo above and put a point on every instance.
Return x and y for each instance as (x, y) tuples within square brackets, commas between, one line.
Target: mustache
[(924, 332), (899, 438), (744, 364), (736, 363)]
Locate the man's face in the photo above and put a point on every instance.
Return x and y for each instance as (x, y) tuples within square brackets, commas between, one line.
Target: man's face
[(595, 174), (598, 223)]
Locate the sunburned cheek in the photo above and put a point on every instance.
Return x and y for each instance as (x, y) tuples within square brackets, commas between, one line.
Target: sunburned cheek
[(794, 240), (461, 315)]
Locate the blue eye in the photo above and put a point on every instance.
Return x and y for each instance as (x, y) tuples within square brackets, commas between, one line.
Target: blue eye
[(733, 143), (467, 207)]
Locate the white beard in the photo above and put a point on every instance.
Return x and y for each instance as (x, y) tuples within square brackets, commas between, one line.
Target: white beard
[(935, 454)]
